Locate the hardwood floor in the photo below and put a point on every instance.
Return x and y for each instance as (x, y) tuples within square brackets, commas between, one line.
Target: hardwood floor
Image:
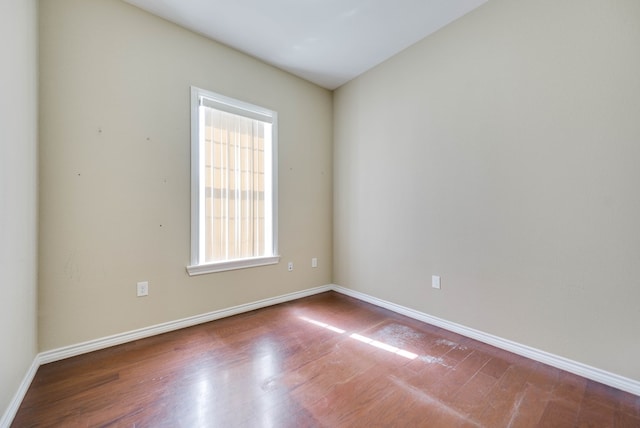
[(326, 360)]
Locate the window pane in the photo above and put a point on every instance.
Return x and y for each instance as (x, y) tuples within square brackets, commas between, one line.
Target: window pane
[(234, 179)]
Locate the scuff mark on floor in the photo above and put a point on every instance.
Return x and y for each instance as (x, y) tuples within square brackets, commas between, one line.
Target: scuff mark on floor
[(398, 335), (450, 344), (433, 401), (515, 409), (429, 359)]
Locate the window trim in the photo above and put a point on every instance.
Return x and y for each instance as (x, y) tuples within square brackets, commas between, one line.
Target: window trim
[(231, 105)]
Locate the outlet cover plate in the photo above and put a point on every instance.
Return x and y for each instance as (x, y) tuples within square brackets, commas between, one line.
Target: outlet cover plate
[(435, 281), (143, 288)]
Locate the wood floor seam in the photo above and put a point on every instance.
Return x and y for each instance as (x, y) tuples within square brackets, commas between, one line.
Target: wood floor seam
[(357, 365)]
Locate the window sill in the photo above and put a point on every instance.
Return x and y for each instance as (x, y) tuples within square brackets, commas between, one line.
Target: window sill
[(231, 265)]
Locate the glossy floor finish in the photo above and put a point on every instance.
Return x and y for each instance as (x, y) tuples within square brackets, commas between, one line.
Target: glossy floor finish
[(326, 361)]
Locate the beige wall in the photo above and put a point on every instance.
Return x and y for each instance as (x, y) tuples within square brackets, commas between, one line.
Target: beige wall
[(115, 178), (500, 153), (18, 194), (503, 154)]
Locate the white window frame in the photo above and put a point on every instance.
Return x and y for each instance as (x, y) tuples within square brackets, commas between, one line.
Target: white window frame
[(224, 103)]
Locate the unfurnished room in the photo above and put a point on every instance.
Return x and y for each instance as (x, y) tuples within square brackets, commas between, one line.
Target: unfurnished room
[(406, 213)]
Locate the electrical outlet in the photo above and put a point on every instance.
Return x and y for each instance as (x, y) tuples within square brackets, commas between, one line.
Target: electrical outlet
[(314, 262), (435, 281), (290, 266), (143, 288)]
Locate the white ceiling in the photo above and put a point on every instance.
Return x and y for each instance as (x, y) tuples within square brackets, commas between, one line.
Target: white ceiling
[(328, 42)]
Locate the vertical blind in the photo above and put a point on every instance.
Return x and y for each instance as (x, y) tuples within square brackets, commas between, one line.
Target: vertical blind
[(236, 183)]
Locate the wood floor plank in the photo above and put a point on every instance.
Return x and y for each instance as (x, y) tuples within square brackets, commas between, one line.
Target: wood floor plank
[(322, 361)]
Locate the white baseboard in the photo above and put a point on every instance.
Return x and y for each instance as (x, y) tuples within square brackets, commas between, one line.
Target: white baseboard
[(607, 378), (595, 374), (14, 405), (118, 339)]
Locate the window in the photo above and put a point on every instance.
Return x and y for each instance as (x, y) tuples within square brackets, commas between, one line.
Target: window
[(233, 184)]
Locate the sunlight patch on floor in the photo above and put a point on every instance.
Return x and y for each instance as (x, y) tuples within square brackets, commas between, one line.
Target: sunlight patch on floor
[(363, 339)]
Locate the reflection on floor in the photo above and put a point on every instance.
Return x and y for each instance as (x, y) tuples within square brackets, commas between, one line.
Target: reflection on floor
[(327, 360)]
